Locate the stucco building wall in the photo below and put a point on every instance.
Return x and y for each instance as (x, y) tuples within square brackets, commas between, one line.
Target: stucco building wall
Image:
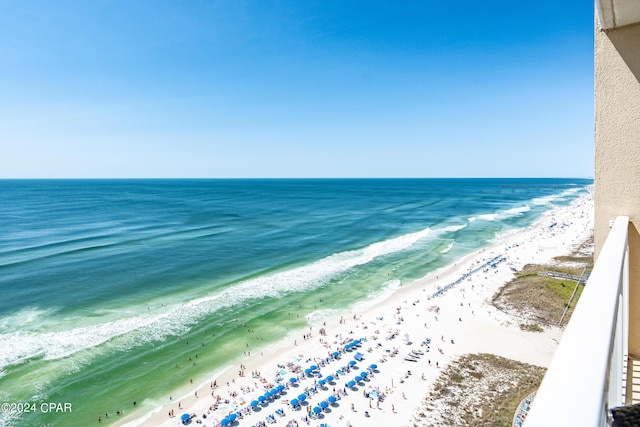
[(617, 149)]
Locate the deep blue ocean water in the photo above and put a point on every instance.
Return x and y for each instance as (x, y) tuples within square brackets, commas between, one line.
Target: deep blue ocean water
[(99, 278)]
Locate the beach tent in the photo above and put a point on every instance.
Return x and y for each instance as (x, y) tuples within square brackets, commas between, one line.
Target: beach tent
[(358, 356)]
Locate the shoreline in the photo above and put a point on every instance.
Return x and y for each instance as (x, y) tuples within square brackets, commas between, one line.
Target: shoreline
[(407, 310)]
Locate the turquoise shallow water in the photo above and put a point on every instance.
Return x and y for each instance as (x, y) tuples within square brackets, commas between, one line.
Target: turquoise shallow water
[(104, 281)]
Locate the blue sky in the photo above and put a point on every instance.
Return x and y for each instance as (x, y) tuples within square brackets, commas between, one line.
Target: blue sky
[(206, 88)]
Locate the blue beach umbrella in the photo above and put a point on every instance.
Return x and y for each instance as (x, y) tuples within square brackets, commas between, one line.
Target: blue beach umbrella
[(322, 382), (317, 410), (302, 397), (262, 398), (351, 383), (224, 422), (307, 371), (313, 367), (232, 417), (358, 378), (373, 366), (329, 378), (363, 374), (184, 417), (332, 399), (352, 362), (292, 380), (254, 403), (280, 388), (335, 354), (294, 402), (324, 404)]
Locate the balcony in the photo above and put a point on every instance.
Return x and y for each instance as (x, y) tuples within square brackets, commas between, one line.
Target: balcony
[(587, 375)]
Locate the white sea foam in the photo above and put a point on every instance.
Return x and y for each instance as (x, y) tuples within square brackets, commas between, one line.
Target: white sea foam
[(516, 211), (127, 332), (488, 217), (504, 214), (27, 317), (454, 228), (448, 248), (547, 200), (387, 288), (320, 315)]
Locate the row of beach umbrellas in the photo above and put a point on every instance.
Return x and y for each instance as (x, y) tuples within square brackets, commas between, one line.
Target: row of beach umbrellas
[(317, 409), (352, 344), (302, 397), (268, 395), (229, 419)]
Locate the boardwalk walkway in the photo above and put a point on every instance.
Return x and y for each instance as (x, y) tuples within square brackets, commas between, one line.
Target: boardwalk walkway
[(574, 277)]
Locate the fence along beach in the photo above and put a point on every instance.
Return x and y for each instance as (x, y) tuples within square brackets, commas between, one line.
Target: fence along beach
[(376, 362)]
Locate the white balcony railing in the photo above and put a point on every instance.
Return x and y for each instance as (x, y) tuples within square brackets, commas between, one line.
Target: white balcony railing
[(585, 377)]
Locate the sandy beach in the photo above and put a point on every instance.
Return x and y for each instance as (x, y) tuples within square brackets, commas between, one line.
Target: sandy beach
[(379, 360)]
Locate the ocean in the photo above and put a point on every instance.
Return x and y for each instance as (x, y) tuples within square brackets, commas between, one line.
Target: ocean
[(115, 291)]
